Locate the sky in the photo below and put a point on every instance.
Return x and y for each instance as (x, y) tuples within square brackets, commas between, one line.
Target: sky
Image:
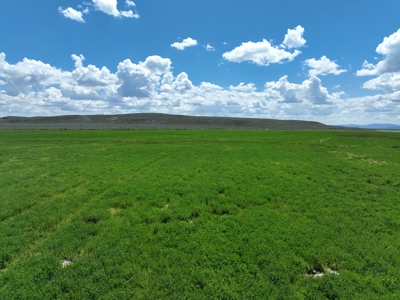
[(331, 61)]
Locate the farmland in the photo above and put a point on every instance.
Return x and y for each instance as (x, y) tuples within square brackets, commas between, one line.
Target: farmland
[(199, 214)]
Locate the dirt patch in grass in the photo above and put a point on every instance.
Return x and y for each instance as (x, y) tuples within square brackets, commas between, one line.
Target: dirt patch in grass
[(114, 211), (319, 273), (368, 160), (66, 262)]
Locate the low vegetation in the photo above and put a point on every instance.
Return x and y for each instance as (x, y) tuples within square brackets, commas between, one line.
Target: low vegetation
[(199, 215), (154, 121)]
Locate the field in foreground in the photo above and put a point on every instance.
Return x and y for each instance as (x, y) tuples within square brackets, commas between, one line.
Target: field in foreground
[(199, 215)]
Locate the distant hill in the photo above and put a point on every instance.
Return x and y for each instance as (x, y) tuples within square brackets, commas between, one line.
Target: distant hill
[(373, 126), (156, 121)]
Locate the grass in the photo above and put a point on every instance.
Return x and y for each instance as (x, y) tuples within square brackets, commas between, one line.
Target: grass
[(199, 215), (154, 121)]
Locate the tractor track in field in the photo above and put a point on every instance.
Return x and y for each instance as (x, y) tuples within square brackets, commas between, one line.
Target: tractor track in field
[(30, 206), (33, 249)]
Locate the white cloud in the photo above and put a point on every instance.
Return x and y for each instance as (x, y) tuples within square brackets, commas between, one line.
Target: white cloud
[(387, 71), (179, 84), (75, 92), (141, 80), (374, 109), (209, 47), (182, 83), (284, 91), (110, 7), (188, 42), (36, 88), (157, 65), (315, 93), (129, 14), (323, 66), (167, 79), (28, 74), (260, 53), (207, 86), (367, 69), (72, 14), (245, 88), (389, 83), (264, 53), (390, 49), (106, 6), (130, 3), (309, 91), (294, 38), (91, 76), (382, 107)]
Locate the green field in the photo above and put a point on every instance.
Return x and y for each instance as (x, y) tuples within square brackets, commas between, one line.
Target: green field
[(199, 215)]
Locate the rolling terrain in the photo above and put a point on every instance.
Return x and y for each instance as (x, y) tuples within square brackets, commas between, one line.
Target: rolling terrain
[(156, 121)]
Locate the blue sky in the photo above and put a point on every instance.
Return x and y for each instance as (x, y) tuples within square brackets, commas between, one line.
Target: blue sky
[(331, 61)]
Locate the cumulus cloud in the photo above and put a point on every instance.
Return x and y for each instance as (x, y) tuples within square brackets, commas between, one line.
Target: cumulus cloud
[(31, 87), (314, 92), (264, 53), (72, 14), (389, 83), (36, 79), (310, 91), (284, 91), (182, 83), (106, 6), (76, 92), (246, 88), (387, 72), (368, 69), (383, 107), (294, 38), (207, 86), (179, 84), (322, 66), (140, 80), (110, 7), (188, 42), (28, 74), (390, 49), (260, 53), (91, 76)]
